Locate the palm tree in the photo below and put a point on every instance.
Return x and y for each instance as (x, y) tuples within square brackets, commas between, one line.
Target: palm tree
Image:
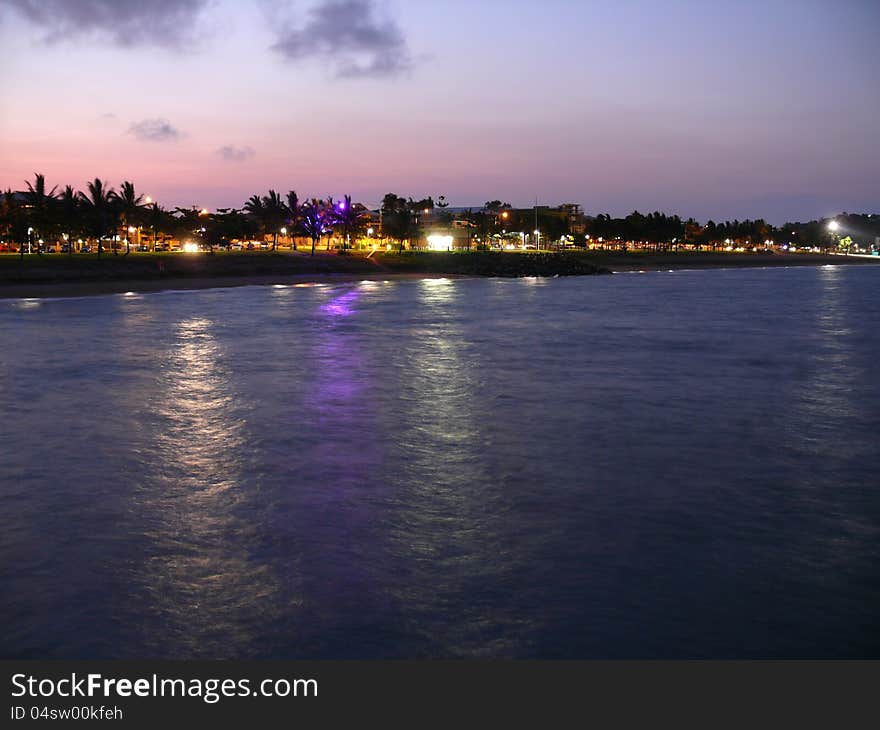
[(274, 214), (293, 214), (12, 222), (329, 218), (100, 213), (313, 220), (130, 205), (350, 219), (254, 207), (69, 208), (40, 203), (156, 219)]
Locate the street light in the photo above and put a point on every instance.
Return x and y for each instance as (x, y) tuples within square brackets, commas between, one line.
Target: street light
[(834, 226)]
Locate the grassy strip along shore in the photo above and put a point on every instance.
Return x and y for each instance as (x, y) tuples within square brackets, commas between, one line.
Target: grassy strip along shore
[(63, 275), (61, 268)]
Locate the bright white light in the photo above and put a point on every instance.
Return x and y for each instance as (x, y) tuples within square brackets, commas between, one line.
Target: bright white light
[(190, 247), (283, 231), (131, 229), (439, 243), (833, 226), (369, 231)]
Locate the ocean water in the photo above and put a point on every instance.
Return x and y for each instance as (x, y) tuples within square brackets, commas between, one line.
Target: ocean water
[(661, 465)]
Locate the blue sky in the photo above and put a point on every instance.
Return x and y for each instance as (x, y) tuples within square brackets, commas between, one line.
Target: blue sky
[(761, 109)]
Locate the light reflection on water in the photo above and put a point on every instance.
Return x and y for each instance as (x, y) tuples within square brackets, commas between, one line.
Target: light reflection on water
[(198, 585), (644, 466)]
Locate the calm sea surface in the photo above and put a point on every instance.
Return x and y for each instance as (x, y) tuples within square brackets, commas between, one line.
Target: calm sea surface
[(662, 465)]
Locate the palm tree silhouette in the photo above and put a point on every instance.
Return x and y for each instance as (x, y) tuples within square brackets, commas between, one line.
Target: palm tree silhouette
[(130, 205), (274, 214), (100, 213), (314, 220), (254, 207), (155, 218), (350, 219), (293, 215), (40, 203), (69, 208)]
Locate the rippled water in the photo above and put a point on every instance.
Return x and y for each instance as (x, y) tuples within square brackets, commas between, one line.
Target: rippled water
[(661, 465)]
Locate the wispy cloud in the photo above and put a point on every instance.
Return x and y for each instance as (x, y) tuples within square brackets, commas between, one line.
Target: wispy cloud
[(352, 37), (154, 130), (231, 153), (124, 22)]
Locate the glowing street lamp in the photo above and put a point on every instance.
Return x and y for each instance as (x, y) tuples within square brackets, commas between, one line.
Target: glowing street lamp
[(834, 226), (283, 231)]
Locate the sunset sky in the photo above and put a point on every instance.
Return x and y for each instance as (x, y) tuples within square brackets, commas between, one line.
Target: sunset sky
[(761, 109)]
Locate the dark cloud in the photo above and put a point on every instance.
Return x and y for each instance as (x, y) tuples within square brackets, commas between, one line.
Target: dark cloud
[(230, 153), (154, 130), (351, 36), (125, 22)]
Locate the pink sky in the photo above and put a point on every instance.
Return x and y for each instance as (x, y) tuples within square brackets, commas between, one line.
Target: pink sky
[(728, 111)]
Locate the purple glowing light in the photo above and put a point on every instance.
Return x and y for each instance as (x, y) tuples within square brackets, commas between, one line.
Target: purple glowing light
[(341, 306)]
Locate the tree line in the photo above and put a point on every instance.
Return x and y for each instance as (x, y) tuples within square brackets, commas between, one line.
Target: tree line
[(100, 212)]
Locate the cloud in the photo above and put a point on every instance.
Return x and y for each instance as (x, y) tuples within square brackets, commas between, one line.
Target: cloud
[(154, 130), (231, 153), (124, 22), (351, 36)]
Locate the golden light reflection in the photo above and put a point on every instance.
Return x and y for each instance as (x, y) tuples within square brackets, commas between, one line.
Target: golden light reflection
[(443, 521), (199, 579)]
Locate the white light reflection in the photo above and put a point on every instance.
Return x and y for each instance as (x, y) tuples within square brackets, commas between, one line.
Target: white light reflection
[(200, 581)]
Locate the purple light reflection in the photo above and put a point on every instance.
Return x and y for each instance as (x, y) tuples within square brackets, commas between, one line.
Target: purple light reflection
[(341, 306)]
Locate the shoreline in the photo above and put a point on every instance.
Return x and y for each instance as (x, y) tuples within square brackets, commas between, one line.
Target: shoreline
[(612, 263), (66, 290), (674, 262)]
